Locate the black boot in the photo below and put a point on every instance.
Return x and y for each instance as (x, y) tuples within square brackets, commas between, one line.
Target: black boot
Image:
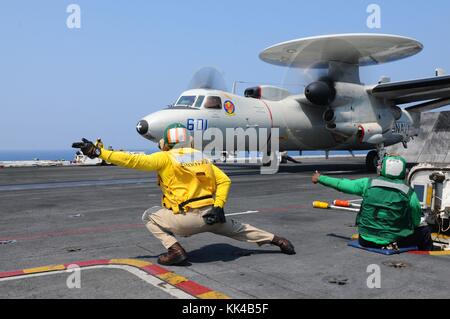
[(175, 255), (284, 244)]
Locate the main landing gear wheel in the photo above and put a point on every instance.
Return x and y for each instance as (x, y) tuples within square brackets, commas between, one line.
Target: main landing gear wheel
[(269, 158), (372, 159), (285, 158)]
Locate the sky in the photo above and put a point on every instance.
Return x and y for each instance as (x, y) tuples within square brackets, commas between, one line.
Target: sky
[(131, 58)]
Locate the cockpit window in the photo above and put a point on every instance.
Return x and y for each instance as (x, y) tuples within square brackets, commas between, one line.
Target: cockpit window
[(186, 100), (199, 101), (213, 102)]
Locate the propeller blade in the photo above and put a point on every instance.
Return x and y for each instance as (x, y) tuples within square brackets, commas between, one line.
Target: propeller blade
[(208, 78)]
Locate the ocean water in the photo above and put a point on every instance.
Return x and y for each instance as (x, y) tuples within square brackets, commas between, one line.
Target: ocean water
[(69, 154), (29, 155), (49, 155)]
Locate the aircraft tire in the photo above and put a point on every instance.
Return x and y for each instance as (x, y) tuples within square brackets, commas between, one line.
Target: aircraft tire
[(372, 161), (267, 160)]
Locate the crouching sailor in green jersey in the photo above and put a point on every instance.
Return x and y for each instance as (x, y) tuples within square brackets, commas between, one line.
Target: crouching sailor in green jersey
[(390, 214)]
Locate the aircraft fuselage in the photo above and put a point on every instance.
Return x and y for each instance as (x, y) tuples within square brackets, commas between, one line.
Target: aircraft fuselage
[(301, 125)]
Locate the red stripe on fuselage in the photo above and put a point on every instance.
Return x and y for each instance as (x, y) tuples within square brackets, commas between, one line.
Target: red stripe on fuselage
[(270, 112)]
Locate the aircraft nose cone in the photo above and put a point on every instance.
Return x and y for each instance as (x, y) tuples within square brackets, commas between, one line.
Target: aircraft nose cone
[(142, 127)]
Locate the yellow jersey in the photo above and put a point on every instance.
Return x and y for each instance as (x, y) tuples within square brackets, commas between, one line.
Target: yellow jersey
[(184, 176)]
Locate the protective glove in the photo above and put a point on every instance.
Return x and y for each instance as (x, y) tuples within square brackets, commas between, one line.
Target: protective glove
[(214, 216), (88, 148)]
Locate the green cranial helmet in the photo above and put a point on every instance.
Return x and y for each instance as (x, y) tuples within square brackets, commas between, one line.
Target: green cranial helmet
[(176, 134), (394, 167)]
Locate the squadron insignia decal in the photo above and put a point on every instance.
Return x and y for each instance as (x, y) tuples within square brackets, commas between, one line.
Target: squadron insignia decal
[(229, 108)]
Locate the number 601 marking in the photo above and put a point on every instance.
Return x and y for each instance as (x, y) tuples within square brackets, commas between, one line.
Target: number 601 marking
[(197, 124)]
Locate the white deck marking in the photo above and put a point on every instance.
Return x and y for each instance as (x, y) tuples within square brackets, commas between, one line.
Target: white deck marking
[(154, 281), (243, 213)]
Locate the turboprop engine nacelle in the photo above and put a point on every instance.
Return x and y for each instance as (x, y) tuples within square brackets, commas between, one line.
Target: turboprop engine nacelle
[(321, 92), (327, 93), (367, 133), (371, 133), (345, 129)]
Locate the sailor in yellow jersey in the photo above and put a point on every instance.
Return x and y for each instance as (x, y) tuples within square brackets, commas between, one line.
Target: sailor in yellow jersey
[(194, 195)]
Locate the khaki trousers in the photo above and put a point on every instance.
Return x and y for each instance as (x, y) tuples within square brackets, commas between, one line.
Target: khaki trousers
[(164, 225)]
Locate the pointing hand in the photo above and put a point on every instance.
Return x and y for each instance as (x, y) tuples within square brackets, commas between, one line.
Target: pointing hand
[(315, 177), (88, 148)]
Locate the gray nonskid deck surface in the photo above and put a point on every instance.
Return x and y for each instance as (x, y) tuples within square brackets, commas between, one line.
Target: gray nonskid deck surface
[(103, 220)]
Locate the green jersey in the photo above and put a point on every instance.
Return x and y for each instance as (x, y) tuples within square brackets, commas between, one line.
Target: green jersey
[(390, 209)]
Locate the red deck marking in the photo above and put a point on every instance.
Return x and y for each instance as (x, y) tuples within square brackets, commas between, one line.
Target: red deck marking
[(91, 230), (193, 288), (155, 270), (190, 287), (283, 209), (418, 252), (7, 274)]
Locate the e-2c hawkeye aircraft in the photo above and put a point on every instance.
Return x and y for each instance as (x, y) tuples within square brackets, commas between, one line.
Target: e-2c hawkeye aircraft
[(335, 112)]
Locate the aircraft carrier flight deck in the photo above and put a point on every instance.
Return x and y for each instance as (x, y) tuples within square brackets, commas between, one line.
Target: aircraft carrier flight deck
[(53, 217)]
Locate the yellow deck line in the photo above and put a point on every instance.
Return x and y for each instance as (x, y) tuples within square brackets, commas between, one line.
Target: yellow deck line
[(172, 278), (130, 262), (213, 295), (44, 269), (169, 277), (439, 253)]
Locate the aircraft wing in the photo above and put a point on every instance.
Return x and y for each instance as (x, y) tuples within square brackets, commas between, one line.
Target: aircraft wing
[(415, 90)]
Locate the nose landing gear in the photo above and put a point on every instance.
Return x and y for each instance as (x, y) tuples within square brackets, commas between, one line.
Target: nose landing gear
[(375, 157)]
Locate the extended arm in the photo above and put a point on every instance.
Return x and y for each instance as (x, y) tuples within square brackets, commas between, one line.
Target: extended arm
[(354, 187), (153, 162)]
